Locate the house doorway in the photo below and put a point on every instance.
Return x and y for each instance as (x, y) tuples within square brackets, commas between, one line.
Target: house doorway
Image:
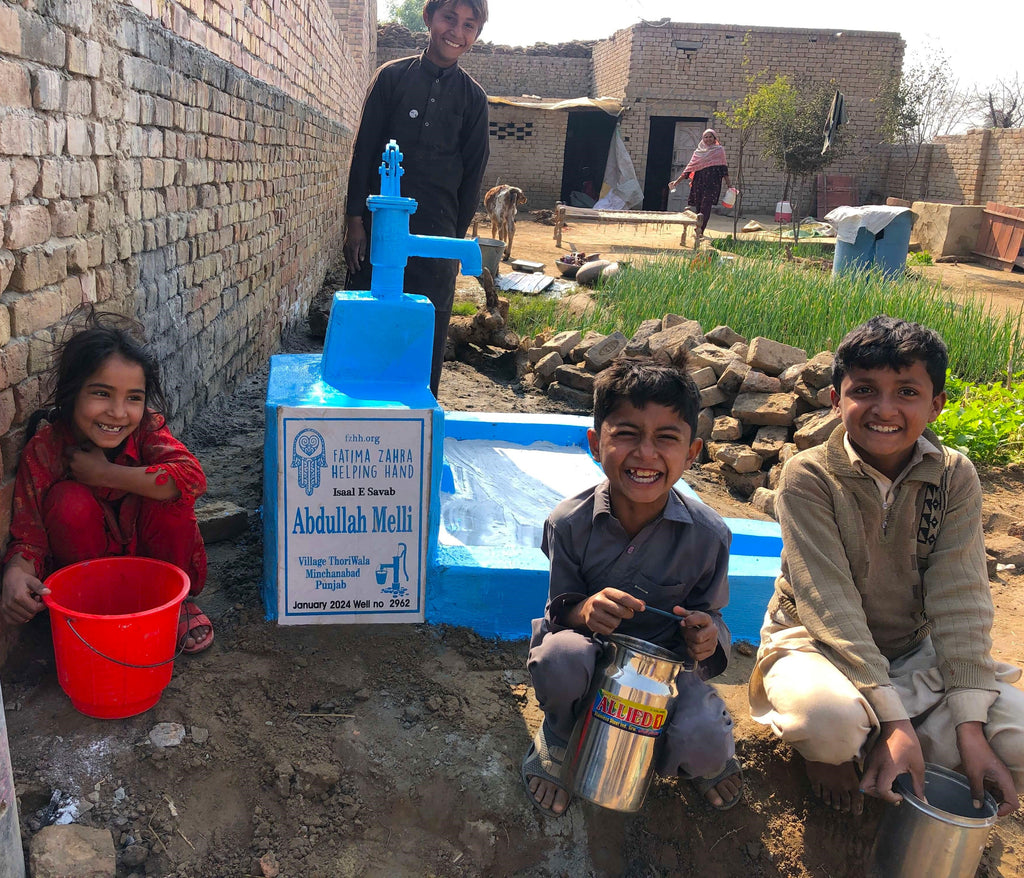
[(588, 135), (670, 143)]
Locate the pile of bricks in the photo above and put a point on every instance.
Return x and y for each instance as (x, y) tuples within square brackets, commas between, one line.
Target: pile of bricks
[(761, 401)]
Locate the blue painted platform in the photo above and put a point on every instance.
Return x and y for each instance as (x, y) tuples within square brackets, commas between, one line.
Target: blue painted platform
[(496, 591)]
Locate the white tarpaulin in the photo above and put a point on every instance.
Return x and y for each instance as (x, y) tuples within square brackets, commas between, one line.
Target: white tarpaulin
[(620, 189)]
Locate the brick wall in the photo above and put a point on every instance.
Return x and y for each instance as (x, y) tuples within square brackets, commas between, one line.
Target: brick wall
[(972, 168), (182, 162), (522, 139), (696, 69), (509, 73)]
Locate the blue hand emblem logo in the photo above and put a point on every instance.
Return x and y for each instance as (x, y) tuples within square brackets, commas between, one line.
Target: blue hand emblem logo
[(309, 456)]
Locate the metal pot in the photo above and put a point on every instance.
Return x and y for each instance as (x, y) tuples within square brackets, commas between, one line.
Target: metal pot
[(943, 837), (611, 751)]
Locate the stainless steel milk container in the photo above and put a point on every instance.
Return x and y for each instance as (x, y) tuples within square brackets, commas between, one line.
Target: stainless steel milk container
[(611, 751)]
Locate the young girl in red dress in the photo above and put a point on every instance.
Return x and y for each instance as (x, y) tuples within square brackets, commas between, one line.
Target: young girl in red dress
[(104, 476)]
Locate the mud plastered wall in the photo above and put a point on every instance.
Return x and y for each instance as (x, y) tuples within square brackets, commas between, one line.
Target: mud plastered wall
[(146, 167), (970, 168)]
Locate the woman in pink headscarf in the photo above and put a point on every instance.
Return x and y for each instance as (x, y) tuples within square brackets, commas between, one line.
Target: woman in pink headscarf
[(707, 168)]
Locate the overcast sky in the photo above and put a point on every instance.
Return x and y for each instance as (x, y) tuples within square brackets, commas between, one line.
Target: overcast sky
[(982, 42)]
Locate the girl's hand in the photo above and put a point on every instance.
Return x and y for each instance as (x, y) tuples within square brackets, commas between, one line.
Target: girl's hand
[(603, 612), (897, 751), (89, 465), (700, 633), (22, 593), (980, 763)]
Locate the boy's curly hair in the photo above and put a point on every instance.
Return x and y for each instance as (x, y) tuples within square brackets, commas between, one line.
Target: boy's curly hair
[(640, 380), (890, 343), (479, 8)]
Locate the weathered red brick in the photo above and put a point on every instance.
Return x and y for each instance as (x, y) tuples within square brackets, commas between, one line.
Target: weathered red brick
[(36, 310), (8, 409), (15, 85)]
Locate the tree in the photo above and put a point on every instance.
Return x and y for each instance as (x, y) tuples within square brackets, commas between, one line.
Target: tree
[(409, 13), (792, 121), (921, 103), (744, 117), (1001, 105)]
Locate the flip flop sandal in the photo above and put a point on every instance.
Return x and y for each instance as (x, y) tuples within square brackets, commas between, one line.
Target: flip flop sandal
[(703, 784), (192, 618), (534, 765)]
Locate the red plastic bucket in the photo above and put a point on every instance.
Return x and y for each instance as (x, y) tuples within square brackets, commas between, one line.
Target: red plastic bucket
[(115, 625)]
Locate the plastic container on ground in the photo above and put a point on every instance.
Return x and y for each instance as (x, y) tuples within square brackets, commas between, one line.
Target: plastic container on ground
[(858, 256), (729, 199), (783, 212), (893, 244), (115, 625)]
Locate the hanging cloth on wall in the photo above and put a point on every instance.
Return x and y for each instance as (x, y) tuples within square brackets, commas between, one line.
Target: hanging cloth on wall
[(836, 117)]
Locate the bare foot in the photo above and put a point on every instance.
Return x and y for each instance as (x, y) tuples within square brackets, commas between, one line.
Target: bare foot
[(548, 795), (837, 786)]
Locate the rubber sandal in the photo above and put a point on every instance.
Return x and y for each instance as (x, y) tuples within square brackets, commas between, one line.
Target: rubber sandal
[(703, 784), (535, 763), (192, 618)]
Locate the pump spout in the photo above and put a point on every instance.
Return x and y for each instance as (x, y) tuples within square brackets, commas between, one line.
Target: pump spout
[(466, 250)]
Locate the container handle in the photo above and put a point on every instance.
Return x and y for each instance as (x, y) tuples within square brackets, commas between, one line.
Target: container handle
[(181, 649)]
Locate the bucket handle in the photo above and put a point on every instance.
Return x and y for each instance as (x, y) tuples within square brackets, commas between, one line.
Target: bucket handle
[(181, 649)]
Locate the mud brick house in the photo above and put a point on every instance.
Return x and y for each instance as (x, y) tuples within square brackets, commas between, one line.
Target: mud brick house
[(667, 80)]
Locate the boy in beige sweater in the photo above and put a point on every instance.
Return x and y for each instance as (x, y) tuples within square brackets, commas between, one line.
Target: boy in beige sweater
[(875, 650)]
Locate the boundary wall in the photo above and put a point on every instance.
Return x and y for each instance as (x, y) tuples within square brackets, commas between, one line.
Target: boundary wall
[(182, 162), (982, 165)]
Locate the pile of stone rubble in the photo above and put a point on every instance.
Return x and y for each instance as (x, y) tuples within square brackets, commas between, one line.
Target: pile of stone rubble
[(761, 400)]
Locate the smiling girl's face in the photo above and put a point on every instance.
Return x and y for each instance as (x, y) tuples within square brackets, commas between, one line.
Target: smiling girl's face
[(111, 404)]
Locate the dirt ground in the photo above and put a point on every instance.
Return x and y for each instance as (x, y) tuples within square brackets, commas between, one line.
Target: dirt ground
[(345, 750)]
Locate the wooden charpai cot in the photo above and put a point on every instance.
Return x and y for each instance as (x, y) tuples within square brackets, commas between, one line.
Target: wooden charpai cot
[(565, 214)]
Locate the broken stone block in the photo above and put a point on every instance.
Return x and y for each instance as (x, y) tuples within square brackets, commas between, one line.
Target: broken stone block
[(670, 320), (757, 382), (579, 353), (807, 393), (726, 429), (601, 354), (704, 377), (787, 451), (563, 342), (710, 355), (711, 396), (667, 345), (318, 777), (817, 371), (816, 429), (774, 474), (221, 520), (773, 357), (741, 349), (570, 395), (777, 409), (732, 378), (743, 484), (705, 424), (1005, 549), (763, 500), (546, 366), (736, 455), (788, 376), (639, 344), (59, 851), (768, 441), (575, 377), (724, 337)]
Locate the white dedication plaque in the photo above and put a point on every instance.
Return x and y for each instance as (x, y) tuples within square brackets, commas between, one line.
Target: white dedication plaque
[(353, 496)]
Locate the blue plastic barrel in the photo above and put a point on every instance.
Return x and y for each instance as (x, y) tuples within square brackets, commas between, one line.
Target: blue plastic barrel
[(892, 245), (858, 256)]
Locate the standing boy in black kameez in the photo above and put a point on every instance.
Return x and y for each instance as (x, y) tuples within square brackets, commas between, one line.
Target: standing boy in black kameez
[(437, 113)]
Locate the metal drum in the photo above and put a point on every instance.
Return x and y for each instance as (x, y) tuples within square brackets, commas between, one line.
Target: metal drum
[(611, 751)]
